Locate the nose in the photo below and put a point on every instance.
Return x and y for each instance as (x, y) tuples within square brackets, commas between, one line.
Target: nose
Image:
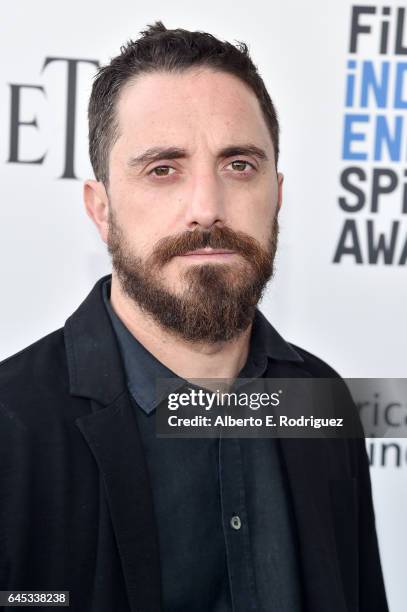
[(205, 206)]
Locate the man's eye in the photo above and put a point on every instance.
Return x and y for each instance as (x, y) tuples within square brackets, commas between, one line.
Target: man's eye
[(162, 171), (240, 165)]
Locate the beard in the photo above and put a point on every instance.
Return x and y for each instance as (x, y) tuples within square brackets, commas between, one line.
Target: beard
[(219, 299)]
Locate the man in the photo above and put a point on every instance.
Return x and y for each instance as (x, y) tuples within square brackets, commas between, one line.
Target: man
[(184, 146)]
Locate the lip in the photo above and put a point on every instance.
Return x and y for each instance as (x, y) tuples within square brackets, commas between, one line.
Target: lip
[(208, 252)]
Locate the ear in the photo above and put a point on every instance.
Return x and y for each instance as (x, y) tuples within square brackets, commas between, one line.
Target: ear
[(280, 179), (97, 205)]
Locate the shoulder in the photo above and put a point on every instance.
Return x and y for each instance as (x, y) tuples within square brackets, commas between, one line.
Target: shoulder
[(291, 357), (342, 397), (34, 379), (314, 365), (35, 359)]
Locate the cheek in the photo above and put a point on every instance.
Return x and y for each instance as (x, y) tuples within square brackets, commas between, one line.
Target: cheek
[(254, 215), (143, 216)]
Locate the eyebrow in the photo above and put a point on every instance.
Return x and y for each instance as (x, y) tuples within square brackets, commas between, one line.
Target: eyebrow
[(158, 153)]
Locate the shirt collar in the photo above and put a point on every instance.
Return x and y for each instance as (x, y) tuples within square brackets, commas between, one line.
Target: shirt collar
[(143, 369)]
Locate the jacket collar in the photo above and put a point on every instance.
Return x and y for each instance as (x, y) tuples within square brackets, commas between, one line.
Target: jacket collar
[(143, 369), (96, 368), (94, 361)]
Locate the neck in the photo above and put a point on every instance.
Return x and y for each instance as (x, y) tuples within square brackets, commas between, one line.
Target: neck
[(189, 360)]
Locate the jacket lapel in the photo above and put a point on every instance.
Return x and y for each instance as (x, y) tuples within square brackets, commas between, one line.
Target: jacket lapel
[(96, 372), (113, 438), (306, 464), (305, 461)]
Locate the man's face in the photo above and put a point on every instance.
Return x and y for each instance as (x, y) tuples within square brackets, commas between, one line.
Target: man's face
[(193, 201)]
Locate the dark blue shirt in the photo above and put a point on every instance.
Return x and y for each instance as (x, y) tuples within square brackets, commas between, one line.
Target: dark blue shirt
[(225, 525)]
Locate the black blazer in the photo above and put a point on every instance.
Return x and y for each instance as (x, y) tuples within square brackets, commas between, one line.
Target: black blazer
[(76, 508)]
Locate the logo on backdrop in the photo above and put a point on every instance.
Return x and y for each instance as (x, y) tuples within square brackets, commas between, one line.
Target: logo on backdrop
[(373, 179), (19, 125)]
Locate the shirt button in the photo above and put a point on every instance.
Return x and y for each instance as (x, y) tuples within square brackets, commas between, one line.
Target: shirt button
[(235, 522)]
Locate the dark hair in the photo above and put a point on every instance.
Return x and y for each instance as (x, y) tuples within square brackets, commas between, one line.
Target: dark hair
[(159, 49)]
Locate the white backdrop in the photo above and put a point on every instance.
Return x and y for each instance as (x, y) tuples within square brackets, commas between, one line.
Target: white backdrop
[(350, 314)]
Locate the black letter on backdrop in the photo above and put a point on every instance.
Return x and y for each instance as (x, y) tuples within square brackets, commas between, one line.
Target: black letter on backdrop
[(400, 48), (15, 123), (70, 109), (356, 27), (347, 184), (349, 231)]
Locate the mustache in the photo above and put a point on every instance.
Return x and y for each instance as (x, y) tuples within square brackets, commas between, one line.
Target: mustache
[(216, 238)]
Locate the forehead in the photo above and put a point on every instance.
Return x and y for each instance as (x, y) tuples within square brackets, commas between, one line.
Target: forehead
[(166, 108)]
